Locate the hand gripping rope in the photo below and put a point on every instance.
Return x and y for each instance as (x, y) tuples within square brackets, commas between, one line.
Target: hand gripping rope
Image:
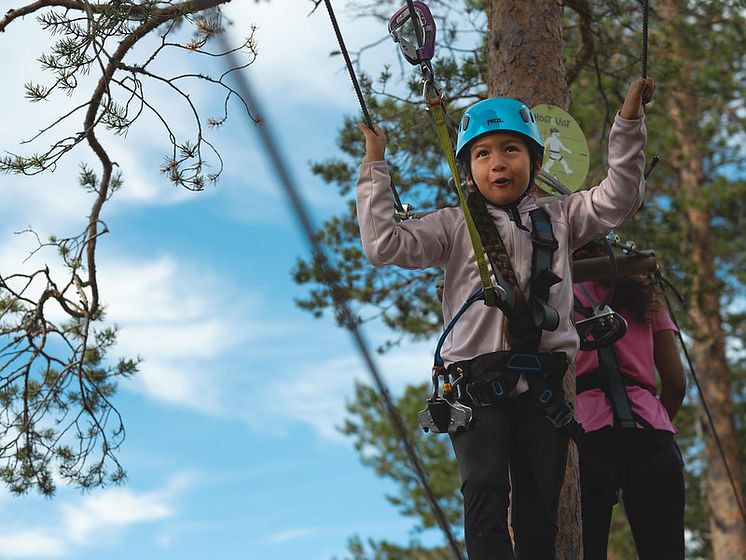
[(424, 26), (281, 169), (402, 210)]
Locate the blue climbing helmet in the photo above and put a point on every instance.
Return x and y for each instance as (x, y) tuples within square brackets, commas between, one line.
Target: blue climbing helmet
[(498, 114)]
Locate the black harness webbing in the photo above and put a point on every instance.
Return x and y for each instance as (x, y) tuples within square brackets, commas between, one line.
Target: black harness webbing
[(542, 277), (526, 325), (607, 377)]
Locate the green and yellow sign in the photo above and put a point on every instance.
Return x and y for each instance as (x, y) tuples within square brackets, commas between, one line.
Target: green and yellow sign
[(565, 147)]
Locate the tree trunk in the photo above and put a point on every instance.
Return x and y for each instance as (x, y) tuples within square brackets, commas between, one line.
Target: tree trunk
[(728, 530), (526, 61), (726, 523), (526, 52)]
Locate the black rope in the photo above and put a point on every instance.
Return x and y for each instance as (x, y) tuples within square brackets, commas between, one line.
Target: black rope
[(342, 308), (348, 63), (417, 30), (644, 54), (663, 283), (361, 100)]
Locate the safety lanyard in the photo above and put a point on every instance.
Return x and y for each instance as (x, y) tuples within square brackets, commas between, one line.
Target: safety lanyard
[(424, 26)]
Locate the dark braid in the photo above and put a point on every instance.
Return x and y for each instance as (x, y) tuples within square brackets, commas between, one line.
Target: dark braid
[(493, 244), (520, 335)]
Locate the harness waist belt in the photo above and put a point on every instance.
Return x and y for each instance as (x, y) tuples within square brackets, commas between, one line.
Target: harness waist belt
[(490, 377)]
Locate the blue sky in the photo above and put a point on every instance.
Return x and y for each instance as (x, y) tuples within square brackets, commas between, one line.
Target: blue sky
[(231, 446)]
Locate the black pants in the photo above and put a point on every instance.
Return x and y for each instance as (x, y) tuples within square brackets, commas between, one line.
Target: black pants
[(646, 466), (513, 435)]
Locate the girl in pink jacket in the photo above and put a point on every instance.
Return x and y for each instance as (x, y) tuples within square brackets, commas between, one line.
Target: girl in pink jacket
[(508, 361)]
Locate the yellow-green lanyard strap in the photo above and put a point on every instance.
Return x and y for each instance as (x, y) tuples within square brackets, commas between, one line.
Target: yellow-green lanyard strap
[(436, 106)]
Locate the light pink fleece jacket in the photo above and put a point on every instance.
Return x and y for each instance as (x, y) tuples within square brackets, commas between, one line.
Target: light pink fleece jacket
[(441, 240)]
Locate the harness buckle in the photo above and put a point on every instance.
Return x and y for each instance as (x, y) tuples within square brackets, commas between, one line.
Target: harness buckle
[(559, 415), (474, 396), (524, 362)]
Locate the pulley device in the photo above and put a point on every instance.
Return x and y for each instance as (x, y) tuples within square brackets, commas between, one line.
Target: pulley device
[(443, 413), (424, 29), (602, 327)]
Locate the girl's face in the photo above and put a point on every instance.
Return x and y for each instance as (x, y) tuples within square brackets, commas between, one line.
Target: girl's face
[(500, 166)]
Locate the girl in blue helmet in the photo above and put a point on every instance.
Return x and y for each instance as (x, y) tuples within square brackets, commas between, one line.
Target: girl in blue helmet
[(512, 439)]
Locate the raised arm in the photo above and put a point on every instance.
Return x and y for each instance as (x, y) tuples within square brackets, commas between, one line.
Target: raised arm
[(415, 243), (592, 213)]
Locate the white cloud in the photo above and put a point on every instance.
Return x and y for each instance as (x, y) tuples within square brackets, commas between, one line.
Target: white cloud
[(90, 520), (115, 508), (294, 49), (31, 543), (315, 395), (289, 535), (181, 321)]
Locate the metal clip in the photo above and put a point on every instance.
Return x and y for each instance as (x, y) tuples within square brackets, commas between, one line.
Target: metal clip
[(408, 213), (605, 327)]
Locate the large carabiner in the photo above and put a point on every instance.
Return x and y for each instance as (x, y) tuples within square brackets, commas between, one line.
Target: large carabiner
[(425, 28), (603, 328)]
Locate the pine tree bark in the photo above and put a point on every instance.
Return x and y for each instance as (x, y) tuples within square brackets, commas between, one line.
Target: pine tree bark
[(526, 60), (727, 526)]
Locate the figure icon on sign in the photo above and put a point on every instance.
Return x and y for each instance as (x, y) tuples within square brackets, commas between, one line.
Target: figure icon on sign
[(554, 145)]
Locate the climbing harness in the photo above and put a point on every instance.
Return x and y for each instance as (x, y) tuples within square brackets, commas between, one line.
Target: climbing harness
[(600, 329), (445, 411), (665, 285), (489, 378)]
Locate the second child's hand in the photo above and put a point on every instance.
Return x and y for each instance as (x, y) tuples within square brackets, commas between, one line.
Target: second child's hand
[(639, 94)]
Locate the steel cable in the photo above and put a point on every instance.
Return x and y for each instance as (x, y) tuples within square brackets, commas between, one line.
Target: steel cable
[(281, 170)]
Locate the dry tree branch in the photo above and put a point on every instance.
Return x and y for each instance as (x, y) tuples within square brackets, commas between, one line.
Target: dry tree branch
[(56, 381)]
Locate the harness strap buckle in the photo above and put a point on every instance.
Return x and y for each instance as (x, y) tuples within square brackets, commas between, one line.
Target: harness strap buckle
[(524, 362)]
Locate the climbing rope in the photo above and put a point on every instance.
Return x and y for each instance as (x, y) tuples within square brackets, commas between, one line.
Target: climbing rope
[(644, 54), (663, 281), (358, 91), (329, 275)]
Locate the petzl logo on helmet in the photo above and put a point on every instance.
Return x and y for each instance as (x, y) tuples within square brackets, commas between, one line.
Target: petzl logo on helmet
[(496, 120)]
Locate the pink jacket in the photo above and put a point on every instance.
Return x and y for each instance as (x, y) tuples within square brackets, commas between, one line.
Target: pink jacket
[(441, 240)]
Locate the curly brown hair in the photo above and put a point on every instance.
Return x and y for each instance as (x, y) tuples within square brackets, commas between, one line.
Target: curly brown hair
[(638, 295)]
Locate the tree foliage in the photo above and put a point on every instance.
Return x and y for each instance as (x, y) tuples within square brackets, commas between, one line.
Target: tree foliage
[(56, 377), (709, 62)]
